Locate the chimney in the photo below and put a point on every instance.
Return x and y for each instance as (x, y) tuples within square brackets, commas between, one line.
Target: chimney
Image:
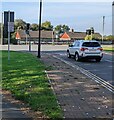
[(71, 30)]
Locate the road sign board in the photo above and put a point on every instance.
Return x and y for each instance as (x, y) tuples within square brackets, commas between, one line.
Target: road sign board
[(10, 26)]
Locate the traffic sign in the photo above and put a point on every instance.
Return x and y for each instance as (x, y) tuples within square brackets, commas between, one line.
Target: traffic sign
[(10, 26)]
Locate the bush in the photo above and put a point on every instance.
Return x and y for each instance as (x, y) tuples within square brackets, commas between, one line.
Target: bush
[(13, 41)]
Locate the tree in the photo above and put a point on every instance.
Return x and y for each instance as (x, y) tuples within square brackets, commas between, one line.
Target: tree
[(19, 24), (88, 37), (34, 27), (58, 29), (65, 28), (62, 28), (47, 26), (110, 37)]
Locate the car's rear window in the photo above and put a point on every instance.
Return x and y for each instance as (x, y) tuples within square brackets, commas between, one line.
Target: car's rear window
[(91, 44)]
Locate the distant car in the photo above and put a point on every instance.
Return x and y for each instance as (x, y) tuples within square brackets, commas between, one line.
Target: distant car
[(88, 49)]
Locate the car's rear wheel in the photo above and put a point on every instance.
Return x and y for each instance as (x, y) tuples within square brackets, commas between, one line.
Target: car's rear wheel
[(68, 54), (98, 59), (76, 57)]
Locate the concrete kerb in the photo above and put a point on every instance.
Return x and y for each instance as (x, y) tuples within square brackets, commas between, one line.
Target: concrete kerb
[(52, 87)]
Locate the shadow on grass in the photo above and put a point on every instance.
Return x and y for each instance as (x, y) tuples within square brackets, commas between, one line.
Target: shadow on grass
[(25, 77)]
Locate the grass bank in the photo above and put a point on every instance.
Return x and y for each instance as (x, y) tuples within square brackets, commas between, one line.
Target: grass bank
[(108, 48), (25, 77)]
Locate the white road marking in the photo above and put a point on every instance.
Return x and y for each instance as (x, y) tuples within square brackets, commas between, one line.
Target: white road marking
[(109, 61), (107, 53), (89, 74)]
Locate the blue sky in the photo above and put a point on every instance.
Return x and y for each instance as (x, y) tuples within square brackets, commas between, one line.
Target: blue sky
[(77, 15)]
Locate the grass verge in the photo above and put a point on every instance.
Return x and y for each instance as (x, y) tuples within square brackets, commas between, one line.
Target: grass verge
[(108, 48), (25, 77)]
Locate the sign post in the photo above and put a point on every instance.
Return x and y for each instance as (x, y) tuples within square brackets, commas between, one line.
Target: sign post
[(8, 36), (10, 29)]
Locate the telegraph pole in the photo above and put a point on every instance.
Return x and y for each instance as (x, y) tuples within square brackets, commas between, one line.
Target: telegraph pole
[(103, 28), (39, 29)]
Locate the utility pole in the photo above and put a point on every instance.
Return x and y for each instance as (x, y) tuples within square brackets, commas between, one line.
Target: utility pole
[(39, 29), (103, 28), (52, 37)]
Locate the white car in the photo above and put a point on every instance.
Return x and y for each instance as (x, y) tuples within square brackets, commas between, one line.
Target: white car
[(89, 49)]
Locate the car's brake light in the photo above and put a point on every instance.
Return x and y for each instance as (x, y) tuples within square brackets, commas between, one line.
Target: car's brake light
[(83, 49), (101, 49)]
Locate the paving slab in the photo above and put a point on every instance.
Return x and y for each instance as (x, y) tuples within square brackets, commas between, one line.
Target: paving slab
[(10, 110), (79, 96)]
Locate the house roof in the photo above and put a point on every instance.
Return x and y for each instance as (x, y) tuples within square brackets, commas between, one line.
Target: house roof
[(78, 35), (34, 34), (48, 34), (65, 35)]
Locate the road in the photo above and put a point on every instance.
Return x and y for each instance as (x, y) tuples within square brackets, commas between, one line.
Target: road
[(102, 69)]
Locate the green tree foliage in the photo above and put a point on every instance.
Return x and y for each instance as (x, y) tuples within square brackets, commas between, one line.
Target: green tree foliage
[(88, 37), (19, 24), (110, 37), (34, 27), (62, 28), (65, 28), (13, 40), (58, 28), (47, 25), (1, 25)]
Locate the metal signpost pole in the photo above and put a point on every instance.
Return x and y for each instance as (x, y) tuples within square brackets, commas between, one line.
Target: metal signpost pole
[(8, 36), (29, 44), (91, 35), (26, 38)]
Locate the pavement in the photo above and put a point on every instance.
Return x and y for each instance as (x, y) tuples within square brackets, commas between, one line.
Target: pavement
[(12, 109), (78, 96)]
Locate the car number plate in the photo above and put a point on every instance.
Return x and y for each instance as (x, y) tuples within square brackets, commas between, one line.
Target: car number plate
[(93, 50)]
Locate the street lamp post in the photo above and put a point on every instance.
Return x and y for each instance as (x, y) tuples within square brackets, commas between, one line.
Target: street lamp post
[(39, 29)]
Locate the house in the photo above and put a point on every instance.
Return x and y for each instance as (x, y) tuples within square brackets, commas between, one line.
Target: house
[(77, 36), (46, 36), (49, 36)]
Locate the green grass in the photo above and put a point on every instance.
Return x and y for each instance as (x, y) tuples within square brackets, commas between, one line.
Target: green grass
[(108, 48), (25, 77)]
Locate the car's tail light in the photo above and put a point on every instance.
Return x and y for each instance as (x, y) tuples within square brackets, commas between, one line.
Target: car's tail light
[(83, 49), (101, 49)]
